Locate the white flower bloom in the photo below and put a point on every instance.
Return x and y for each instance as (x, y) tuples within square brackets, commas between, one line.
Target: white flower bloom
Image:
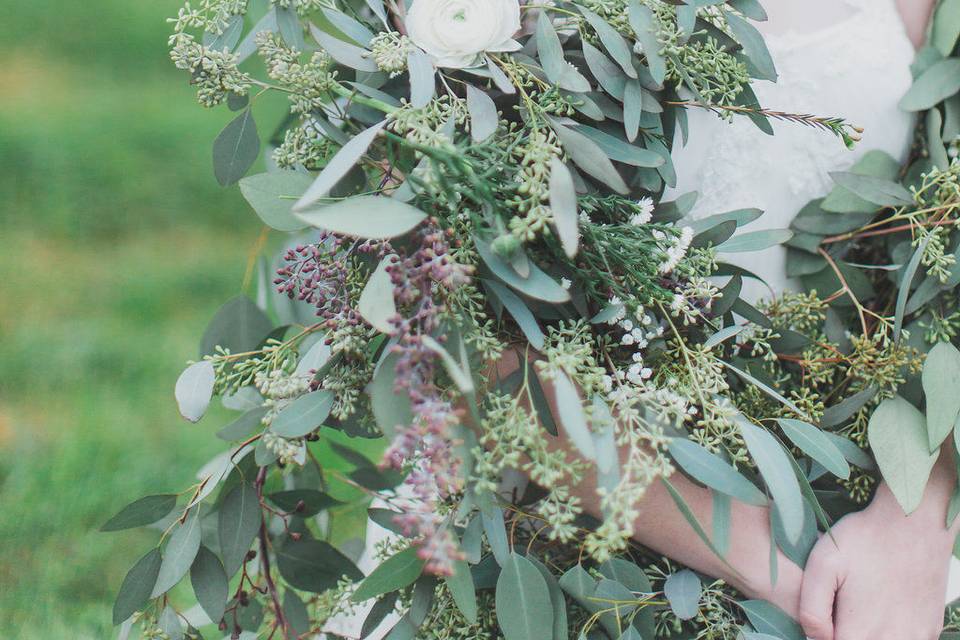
[(565, 283), (645, 214), (458, 32)]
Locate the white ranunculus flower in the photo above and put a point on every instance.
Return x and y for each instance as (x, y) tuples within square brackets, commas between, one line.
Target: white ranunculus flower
[(457, 32)]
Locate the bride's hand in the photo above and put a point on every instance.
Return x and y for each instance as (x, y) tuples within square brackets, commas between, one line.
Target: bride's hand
[(883, 575)]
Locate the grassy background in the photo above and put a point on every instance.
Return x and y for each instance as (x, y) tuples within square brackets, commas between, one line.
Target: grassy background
[(118, 245)]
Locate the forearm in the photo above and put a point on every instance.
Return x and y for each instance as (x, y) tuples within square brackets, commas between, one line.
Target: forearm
[(662, 528)]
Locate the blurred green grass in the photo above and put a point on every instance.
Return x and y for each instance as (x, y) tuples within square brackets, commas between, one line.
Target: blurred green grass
[(117, 248)]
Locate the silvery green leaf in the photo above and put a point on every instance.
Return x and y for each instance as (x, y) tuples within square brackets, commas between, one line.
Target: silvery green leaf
[(500, 78), (289, 26), (194, 389), (715, 235), (538, 285), (766, 389), (941, 383), (209, 583), (338, 167), (142, 512), (646, 28), (355, 30), (934, 126), (377, 7), (898, 437), (238, 522), (483, 114), (239, 325), (614, 43), (607, 73), (236, 148), (137, 586), (713, 471), (676, 209), (588, 155), (550, 51), (396, 572), (242, 426), (179, 554), (461, 588), (303, 415), (946, 27), (729, 295), (816, 444), (557, 600), (563, 204), (909, 273), (621, 150), (169, 623), (767, 618), (272, 196), (750, 8), (632, 109), (343, 52), (875, 163), (604, 437), (774, 466), (691, 519), (937, 83), (455, 370), (496, 535), (585, 104), (853, 454), (249, 44), (295, 611), (368, 217), (520, 313), (376, 94), (844, 410), (229, 37), (753, 46), (314, 565), (423, 82), (376, 304), (721, 513), (524, 610), (876, 190), (723, 335), (390, 409), (572, 416), (755, 241), (682, 590), (315, 358)]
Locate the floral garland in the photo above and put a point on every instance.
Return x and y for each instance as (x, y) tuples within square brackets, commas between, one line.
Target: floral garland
[(471, 182)]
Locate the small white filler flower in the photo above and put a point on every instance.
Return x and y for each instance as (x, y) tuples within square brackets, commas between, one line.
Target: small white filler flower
[(458, 32)]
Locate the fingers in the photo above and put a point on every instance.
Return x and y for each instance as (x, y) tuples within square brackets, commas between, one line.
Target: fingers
[(821, 579)]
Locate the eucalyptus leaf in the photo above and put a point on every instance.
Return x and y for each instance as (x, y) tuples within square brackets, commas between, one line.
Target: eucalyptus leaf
[(345, 53), (775, 468), (563, 204), (537, 285), (632, 109), (815, 444), (423, 82), (456, 370), (646, 27), (142, 512), (368, 217), (898, 437), (941, 383), (520, 313), (937, 83), (313, 565), (239, 326), (137, 587), (179, 554), (238, 523), (303, 415), (588, 155), (572, 416), (484, 118), (390, 409), (194, 390), (396, 572), (879, 191), (682, 590), (524, 610), (755, 241), (461, 588), (338, 166), (713, 471), (271, 196), (612, 41), (377, 305), (210, 583), (550, 51), (753, 46), (768, 618), (946, 26), (236, 148)]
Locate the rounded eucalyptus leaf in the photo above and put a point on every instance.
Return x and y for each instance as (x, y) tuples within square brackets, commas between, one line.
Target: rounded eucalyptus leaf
[(209, 583), (304, 415), (524, 610), (816, 444), (194, 390), (313, 565), (368, 217), (941, 385), (898, 437), (682, 590), (376, 304), (272, 196)]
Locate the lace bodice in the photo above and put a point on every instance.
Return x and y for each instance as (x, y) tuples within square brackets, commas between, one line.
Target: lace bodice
[(856, 68)]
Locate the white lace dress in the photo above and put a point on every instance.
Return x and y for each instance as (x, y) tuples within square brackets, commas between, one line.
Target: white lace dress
[(858, 68)]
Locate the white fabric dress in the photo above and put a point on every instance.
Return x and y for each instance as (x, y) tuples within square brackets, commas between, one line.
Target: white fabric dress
[(857, 68)]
